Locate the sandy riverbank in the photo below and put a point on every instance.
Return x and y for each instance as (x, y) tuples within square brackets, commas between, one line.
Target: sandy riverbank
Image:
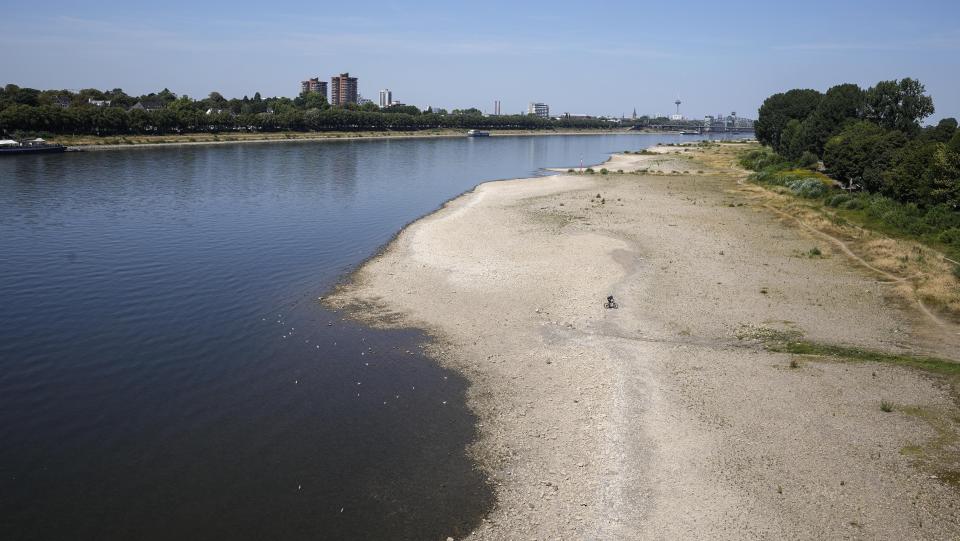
[(664, 419)]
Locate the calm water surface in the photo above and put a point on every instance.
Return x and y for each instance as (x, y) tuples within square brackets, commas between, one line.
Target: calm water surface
[(166, 371)]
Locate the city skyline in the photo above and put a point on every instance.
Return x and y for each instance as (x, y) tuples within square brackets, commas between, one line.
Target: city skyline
[(718, 57)]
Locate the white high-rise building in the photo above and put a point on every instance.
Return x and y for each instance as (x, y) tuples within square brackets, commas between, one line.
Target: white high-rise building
[(386, 97), (539, 109)]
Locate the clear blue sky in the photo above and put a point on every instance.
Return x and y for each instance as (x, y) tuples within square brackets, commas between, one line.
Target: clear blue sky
[(582, 57)]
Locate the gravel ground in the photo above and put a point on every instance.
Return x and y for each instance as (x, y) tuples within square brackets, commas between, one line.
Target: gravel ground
[(654, 421)]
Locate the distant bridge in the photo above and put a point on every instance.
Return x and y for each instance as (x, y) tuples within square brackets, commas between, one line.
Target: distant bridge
[(698, 129)]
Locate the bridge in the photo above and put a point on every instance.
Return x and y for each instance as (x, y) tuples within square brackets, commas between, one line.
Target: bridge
[(699, 129)]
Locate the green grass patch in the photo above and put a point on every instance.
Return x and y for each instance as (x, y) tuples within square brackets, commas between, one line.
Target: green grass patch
[(931, 364)]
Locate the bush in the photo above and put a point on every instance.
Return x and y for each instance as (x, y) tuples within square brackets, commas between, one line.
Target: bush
[(837, 200), (807, 187), (808, 160), (853, 204), (589, 171), (604, 171), (950, 236), (759, 159)]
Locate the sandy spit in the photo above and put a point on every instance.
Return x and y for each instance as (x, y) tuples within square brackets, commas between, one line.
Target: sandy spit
[(653, 421)]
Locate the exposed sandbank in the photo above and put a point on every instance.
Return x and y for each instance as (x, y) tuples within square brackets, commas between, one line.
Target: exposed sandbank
[(664, 419)]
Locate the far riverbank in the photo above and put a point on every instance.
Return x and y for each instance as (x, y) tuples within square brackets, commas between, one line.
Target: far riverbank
[(150, 141)]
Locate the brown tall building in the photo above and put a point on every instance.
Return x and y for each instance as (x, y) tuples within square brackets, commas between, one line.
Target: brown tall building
[(343, 89), (314, 85)]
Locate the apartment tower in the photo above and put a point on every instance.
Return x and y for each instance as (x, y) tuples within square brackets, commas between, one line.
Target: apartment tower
[(343, 89), (314, 85), (386, 98)]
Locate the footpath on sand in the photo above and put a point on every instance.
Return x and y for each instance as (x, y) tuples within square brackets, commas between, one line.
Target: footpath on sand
[(669, 418)]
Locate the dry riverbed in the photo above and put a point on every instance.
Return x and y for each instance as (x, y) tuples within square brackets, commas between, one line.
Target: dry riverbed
[(670, 418)]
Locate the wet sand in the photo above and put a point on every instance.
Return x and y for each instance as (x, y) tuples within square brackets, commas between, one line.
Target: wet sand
[(663, 419)]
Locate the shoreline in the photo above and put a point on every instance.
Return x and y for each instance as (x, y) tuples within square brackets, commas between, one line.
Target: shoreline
[(616, 423), (339, 136)]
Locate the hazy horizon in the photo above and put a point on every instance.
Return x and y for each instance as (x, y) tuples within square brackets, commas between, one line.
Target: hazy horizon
[(605, 59)]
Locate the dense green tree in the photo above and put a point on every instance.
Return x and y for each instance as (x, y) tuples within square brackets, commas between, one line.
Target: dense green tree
[(792, 140), (861, 153), (779, 109), (898, 105), (839, 106)]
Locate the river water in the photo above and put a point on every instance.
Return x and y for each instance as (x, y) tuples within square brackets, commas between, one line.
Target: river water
[(167, 372)]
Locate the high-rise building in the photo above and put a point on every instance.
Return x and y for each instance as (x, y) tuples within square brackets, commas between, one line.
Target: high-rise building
[(496, 107), (314, 85), (343, 89), (539, 109), (386, 98)]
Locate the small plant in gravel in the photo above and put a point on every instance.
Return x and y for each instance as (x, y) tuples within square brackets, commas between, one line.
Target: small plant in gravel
[(885, 406), (815, 252), (794, 363)]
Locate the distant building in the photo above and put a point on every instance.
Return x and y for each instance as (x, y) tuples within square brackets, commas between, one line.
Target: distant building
[(539, 109), (676, 117), (148, 105), (98, 103), (363, 101), (62, 102), (314, 85), (496, 107), (343, 89), (386, 98)]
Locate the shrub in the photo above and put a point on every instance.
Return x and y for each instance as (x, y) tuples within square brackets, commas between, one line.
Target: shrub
[(837, 200), (853, 204), (807, 187), (604, 171), (950, 236), (569, 170), (808, 160), (589, 171)]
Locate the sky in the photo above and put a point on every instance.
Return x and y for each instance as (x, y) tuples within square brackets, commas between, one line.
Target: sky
[(599, 58)]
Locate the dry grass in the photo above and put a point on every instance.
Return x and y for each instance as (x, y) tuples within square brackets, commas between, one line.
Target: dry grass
[(919, 271)]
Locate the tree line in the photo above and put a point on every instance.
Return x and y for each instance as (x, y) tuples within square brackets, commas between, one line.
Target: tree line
[(869, 139), (27, 110), (903, 176)]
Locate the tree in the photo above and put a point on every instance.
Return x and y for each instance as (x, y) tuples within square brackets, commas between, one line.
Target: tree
[(898, 105), (792, 140), (779, 109), (861, 153), (312, 100), (840, 105)]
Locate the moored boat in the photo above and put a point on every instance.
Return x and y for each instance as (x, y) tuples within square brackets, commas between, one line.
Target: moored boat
[(478, 133), (33, 146)]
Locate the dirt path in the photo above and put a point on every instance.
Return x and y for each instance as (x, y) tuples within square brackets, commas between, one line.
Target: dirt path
[(654, 421)]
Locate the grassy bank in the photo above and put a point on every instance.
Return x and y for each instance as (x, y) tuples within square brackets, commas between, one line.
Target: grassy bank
[(918, 247)]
